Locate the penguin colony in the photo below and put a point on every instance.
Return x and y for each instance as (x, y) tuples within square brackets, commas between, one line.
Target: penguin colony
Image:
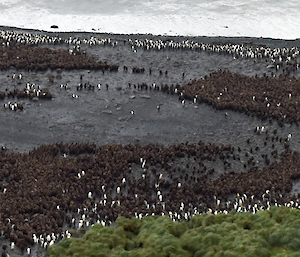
[(267, 97), (272, 97), (74, 186), (22, 52), (54, 190), (285, 59)]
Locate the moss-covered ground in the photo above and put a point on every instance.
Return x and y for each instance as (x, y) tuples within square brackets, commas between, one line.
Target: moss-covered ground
[(274, 232)]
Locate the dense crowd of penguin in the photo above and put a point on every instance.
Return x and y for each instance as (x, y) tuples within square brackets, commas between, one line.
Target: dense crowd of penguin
[(267, 97), (57, 190), (284, 58), (29, 57)]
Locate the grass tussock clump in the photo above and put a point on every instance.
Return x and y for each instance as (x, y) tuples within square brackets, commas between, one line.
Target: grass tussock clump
[(274, 232)]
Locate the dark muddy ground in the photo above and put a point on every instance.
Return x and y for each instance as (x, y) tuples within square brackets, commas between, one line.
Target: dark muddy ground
[(104, 116), (123, 114)]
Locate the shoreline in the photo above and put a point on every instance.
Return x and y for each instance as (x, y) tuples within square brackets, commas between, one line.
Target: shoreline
[(246, 39)]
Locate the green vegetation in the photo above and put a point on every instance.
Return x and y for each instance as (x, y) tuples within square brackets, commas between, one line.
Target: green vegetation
[(275, 232)]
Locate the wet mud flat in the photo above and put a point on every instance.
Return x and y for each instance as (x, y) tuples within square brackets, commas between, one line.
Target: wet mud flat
[(108, 106), (122, 112)]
